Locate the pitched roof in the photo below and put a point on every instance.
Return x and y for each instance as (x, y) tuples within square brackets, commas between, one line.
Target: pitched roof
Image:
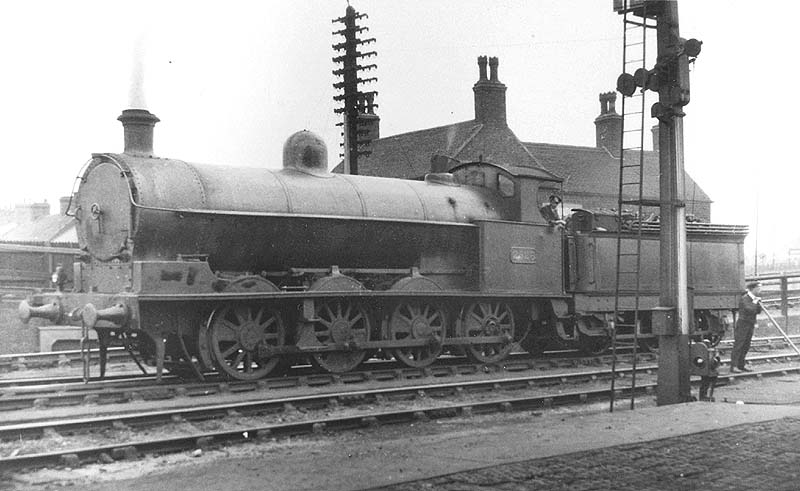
[(586, 170), (595, 171), (44, 229), (408, 155)]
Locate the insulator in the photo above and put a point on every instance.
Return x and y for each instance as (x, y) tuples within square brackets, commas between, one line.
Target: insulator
[(340, 97), (339, 85), (342, 71), (366, 55), (348, 29), (343, 19)]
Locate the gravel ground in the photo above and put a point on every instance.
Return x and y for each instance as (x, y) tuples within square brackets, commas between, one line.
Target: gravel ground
[(405, 452)]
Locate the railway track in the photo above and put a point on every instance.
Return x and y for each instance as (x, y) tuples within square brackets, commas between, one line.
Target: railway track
[(48, 359), (32, 361), (21, 394), (245, 419)]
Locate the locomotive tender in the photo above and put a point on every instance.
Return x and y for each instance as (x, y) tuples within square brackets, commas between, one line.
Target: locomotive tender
[(240, 269)]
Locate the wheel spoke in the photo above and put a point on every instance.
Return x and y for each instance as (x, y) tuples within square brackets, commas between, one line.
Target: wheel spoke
[(331, 315), (228, 352), (238, 359), (265, 325), (426, 311), (238, 313), (233, 328)]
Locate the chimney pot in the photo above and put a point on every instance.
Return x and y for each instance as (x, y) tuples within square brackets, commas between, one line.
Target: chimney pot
[(138, 127), (493, 62), (481, 68), (612, 99), (490, 95)]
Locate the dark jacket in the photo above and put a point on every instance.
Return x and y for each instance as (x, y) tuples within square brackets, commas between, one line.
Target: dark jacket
[(549, 214), (748, 310)]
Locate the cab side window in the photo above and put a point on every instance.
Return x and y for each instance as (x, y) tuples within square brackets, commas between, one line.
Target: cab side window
[(475, 178), (505, 186)]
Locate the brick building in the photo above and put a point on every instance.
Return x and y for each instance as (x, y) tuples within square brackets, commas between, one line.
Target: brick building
[(590, 174)]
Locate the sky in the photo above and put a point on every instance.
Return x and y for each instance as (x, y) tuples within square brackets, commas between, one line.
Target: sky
[(230, 82)]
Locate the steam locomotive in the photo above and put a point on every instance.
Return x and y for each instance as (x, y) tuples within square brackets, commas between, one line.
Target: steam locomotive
[(242, 270)]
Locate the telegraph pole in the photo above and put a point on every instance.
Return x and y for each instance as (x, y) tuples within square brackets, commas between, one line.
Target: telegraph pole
[(353, 99), (672, 320)]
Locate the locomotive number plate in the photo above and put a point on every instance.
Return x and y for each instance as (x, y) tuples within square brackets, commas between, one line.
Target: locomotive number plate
[(523, 255)]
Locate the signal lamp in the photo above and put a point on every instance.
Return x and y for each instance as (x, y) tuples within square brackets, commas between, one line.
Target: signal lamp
[(692, 47), (626, 84), (640, 76), (699, 362)]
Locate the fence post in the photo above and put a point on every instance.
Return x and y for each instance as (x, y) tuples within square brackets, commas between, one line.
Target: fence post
[(785, 301)]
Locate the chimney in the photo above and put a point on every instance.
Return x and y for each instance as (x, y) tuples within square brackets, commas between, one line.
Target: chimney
[(138, 126), (64, 202), (656, 133), (368, 121), (608, 125), (490, 94), (25, 213)]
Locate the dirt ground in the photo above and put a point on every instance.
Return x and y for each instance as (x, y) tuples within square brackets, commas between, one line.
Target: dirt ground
[(391, 454)]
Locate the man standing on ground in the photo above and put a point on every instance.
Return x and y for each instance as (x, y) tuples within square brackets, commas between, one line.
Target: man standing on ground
[(749, 308)]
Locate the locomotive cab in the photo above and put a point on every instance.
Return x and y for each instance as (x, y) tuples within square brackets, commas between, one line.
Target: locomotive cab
[(524, 252), (522, 188)]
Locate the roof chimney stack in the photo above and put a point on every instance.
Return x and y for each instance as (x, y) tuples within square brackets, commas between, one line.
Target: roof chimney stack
[(490, 94), (138, 126), (64, 203), (608, 125), (656, 136), (368, 121)]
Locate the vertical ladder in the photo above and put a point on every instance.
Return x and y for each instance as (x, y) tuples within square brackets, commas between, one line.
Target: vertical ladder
[(624, 329)]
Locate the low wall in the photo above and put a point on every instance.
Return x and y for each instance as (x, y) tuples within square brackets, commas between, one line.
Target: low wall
[(16, 337)]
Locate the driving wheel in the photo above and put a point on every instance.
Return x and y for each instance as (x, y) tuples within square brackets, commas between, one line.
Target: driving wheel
[(341, 322), (480, 319), (417, 321), (236, 335)]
